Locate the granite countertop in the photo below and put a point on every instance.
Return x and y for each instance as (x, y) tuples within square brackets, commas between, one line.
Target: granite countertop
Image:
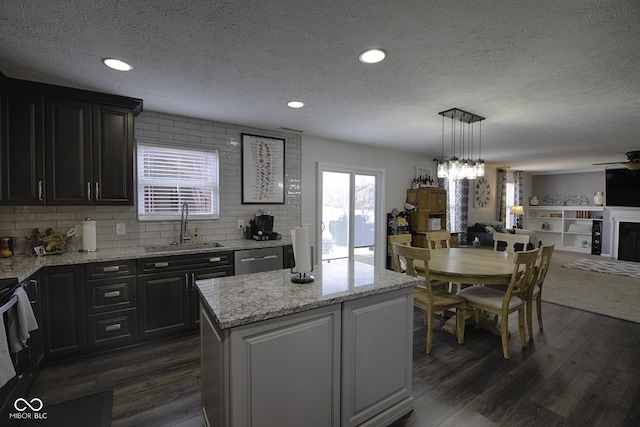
[(22, 266), (248, 298)]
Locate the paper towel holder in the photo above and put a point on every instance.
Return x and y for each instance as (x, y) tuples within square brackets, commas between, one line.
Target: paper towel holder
[(91, 243), (303, 277)]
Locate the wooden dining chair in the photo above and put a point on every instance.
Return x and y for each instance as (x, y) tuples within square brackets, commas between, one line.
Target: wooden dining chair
[(403, 239), (425, 296), (510, 240), (438, 239), (503, 303), (542, 267)]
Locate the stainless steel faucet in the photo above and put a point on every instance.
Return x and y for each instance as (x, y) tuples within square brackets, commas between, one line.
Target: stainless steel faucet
[(185, 237)]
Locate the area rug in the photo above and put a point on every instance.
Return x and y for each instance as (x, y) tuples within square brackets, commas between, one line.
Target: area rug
[(583, 289), (620, 268), (93, 410)]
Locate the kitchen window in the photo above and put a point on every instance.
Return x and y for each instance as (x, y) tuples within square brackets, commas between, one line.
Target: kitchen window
[(169, 177)]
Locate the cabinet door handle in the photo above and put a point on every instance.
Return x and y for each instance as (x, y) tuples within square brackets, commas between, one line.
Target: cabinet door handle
[(112, 294), (193, 280), (40, 191), (88, 191), (113, 327), (161, 264), (97, 192), (186, 282), (37, 291), (215, 259), (111, 269)]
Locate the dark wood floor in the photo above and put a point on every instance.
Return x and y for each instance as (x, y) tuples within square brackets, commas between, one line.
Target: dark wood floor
[(154, 385), (582, 370)]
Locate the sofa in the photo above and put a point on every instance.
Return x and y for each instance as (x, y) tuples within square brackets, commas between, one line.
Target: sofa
[(484, 232)]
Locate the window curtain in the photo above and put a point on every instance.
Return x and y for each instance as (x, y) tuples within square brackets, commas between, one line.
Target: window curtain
[(462, 209), (457, 206), (501, 196), (518, 197)]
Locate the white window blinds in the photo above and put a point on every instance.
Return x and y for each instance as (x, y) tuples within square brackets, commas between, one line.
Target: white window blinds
[(170, 177)]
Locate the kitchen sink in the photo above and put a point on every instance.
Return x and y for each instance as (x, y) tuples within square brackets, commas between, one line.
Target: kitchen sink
[(182, 246)]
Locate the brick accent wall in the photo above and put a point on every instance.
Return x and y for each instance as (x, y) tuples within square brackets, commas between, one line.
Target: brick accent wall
[(177, 131)]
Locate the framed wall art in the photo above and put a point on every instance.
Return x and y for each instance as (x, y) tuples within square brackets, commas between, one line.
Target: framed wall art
[(262, 169)]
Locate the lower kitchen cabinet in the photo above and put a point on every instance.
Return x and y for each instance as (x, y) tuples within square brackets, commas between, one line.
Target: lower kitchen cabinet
[(346, 364), (164, 303), (291, 362), (115, 327), (377, 337), (111, 303), (101, 306), (64, 310), (167, 298)]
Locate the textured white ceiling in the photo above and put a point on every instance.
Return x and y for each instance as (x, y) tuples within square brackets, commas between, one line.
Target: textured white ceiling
[(558, 81)]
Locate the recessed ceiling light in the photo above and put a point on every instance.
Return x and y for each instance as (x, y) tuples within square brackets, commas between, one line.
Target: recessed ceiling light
[(372, 56), (116, 64), (295, 104)]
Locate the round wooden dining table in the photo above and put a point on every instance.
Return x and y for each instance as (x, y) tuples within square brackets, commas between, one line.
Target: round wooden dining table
[(471, 266)]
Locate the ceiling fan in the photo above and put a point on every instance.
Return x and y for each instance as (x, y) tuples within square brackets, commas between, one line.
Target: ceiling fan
[(632, 163)]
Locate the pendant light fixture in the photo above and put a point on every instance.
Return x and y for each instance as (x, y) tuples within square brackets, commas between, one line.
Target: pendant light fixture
[(463, 167)]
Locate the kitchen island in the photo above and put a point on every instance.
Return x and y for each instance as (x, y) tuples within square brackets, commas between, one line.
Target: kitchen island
[(335, 352)]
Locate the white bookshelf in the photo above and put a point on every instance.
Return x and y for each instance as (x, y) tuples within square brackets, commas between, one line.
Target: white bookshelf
[(568, 227)]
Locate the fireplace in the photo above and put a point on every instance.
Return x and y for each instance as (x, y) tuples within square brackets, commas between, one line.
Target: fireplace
[(629, 241), (624, 239)]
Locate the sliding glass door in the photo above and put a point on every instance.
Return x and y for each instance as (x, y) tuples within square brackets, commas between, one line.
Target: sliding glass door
[(349, 211)]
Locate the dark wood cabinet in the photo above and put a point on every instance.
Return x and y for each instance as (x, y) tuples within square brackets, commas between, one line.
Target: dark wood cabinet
[(89, 153), (68, 152), (22, 148), (63, 146), (167, 296), (164, 303), (101, 306), (112, 155), (111, 304), (64, 325)]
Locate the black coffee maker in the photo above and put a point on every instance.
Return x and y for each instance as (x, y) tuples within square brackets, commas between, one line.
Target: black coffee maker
[(262, 227)]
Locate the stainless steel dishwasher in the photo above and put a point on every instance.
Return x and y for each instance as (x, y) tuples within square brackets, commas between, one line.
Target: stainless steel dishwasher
[(257, 260)]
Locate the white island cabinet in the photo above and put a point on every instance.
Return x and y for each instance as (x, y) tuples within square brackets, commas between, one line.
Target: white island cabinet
[(335, 352)]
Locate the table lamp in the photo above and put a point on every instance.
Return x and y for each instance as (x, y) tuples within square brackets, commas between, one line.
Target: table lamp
[(517, 210)]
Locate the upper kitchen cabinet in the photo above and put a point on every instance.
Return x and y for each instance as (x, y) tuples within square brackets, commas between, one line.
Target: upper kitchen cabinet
[(113, 155), (89, 153), (22, 155), (68, 152), (75, 146)]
